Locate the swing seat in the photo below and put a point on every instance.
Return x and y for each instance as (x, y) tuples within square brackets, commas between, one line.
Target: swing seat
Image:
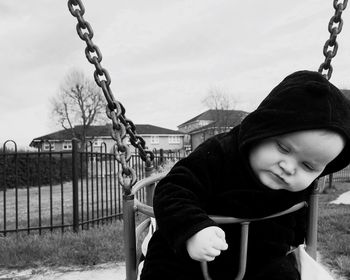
[(132, 233)]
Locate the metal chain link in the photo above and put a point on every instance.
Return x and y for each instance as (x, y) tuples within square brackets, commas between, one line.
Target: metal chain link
[(331, 46), (115, 110)]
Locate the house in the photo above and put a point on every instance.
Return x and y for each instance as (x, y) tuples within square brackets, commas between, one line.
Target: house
[(100, 136), (209, 123), (212, 122)]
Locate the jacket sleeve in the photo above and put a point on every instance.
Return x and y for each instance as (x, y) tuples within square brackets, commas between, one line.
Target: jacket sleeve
[(181, 198)]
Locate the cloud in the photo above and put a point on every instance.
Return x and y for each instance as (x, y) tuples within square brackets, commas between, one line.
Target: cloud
[(163, 56)]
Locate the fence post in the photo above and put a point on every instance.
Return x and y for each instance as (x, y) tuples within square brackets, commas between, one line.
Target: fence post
[(129, 236), (311, 237), (149, 188), (330, 181), (161, 156), (75, 168)]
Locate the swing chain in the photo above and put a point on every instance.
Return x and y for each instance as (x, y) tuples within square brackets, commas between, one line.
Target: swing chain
[(115, 110), (331, 46)]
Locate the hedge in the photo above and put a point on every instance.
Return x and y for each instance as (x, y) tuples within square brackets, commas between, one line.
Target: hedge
[(33, 169)]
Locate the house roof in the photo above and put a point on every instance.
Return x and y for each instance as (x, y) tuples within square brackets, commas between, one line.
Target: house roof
[(227, 115), (212, 114), (223, 117), (152, 129), (217, 114), (104, 131), (228, 123)]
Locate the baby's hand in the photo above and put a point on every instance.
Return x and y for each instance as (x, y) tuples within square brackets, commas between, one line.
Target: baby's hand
[(206, 244)]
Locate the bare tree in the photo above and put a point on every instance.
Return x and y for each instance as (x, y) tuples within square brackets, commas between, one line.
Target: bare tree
[(79, 103), (220, 103), (219, 99)]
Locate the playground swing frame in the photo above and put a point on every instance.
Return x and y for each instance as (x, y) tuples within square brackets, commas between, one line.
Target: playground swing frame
[(127, 176), (132, 206)]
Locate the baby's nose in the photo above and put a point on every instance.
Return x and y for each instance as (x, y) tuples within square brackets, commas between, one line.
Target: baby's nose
[(287, 167)]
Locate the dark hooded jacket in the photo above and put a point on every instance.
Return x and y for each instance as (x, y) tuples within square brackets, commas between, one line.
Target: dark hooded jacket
[(216, 179)]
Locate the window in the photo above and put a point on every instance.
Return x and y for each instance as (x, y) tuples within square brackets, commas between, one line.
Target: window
[(154, 139), (174, 139), (47, 146), (67, 145), (97, 143)]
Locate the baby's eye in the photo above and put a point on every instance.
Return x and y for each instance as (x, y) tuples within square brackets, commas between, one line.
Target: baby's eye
[(308, 166), (282, 148)]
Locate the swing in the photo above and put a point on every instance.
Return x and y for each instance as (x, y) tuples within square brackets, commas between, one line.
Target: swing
[(127, 176)]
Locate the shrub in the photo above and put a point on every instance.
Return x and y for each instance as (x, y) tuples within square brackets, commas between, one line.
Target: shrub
[(29, 169)]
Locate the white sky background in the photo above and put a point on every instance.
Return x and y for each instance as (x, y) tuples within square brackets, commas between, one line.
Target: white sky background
[(163, 56)]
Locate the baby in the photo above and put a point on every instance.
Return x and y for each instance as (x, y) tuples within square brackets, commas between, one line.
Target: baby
[(299, 132)]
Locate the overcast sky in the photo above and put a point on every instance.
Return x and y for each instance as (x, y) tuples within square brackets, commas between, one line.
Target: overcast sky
[(163, 56)]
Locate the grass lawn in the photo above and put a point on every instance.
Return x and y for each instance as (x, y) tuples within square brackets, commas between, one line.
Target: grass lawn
[(95, 246), (54, 205), (334, 230), (105, 243)]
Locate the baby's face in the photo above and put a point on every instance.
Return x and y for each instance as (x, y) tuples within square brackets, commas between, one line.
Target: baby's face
[(293, 161)]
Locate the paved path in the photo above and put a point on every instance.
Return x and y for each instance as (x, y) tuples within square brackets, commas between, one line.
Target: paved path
[(98, 272), (344, 198)]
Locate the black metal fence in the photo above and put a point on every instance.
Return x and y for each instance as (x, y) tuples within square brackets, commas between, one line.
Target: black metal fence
[(341, 176), (75, 189), (60, 190), (327, 182)]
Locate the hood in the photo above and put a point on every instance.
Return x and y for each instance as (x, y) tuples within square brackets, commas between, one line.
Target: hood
[(304, 100)]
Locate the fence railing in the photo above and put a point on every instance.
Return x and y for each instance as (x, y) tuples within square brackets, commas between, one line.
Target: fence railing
[(75, 189), (63, 190)]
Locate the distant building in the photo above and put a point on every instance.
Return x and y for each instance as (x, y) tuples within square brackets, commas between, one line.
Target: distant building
[(209, 123), (100, 136)]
